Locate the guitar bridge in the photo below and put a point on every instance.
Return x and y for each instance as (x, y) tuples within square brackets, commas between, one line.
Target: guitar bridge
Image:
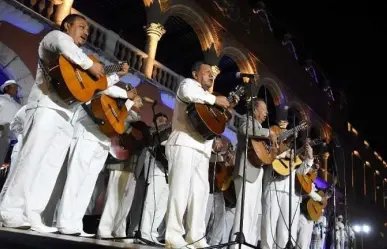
[(114, 113), (79, 78)]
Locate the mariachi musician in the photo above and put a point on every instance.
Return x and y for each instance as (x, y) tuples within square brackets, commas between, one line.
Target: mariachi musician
[(122, 183)]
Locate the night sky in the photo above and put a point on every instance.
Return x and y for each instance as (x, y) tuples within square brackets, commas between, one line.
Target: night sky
[(346, 40)]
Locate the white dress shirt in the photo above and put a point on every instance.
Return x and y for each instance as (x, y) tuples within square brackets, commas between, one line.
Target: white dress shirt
[(183, 133), (8, 109), (53, 44)]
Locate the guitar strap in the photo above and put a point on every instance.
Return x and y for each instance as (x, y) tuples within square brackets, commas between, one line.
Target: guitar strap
[(91, 115), (44, 69)]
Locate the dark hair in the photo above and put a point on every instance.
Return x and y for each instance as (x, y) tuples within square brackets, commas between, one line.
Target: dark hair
[(160, 114), (70, 19), (196, 66)]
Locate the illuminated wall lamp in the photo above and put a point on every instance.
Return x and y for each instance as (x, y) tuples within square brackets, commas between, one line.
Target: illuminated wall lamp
[(367, 163), (366, 144), (356, 153), (354, 131)]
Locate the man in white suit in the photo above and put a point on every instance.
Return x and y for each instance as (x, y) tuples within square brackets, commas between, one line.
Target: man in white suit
[(253, 187), (188, 157), (8, 110)]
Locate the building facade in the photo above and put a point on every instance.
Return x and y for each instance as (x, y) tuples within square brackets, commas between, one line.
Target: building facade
[(162, 38)]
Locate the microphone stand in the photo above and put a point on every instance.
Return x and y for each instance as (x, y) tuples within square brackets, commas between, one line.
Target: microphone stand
[(334, 173), (289, 244), (240, 237), (137, 234)]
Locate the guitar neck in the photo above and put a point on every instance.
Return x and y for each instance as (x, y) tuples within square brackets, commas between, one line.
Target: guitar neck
[(283, 136), (302, 149), (113, 68)]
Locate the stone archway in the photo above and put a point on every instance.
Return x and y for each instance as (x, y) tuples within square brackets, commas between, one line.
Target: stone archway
[(200, 24), (301, 109), (278, 94), (243, 60), (15, 68)]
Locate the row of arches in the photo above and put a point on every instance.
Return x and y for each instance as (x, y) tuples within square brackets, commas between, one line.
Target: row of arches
[(191, 35)]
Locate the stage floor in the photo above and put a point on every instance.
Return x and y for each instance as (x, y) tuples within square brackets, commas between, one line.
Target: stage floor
[(18, 239)]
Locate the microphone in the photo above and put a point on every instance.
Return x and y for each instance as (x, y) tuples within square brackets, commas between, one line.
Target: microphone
[(149, 100), (240, 75)]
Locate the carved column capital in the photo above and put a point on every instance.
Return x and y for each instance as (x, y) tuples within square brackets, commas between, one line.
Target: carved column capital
[(155, 29), (215, 71)]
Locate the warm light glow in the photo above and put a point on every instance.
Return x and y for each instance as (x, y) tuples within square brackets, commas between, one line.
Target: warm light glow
[(366, 144), (385, 179), (354, 131), (377, 172), (376, 154), (349, 126), (356, 153), (367, 163)]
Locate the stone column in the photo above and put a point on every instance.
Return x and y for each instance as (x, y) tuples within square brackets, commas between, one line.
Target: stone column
[(215, 71), (324, 158), (63, 9), (154, 32)]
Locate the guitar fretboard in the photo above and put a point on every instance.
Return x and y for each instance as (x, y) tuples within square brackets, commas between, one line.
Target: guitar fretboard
[(112, 68), (284, 135), (312, 143)]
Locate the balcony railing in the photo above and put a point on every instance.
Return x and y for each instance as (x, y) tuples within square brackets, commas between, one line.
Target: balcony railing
[(107, 43)]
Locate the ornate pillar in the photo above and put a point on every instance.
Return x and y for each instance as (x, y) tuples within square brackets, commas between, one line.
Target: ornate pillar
[(215, 71), (63, 9), (154, 32), (325, 157)]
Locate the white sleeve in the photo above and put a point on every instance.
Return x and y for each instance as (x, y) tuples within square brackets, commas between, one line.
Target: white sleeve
[(61, 43), (17, 124), (116, 92), (112, 79), (315, 196), (305, 167), (190, 91), (128, 104)]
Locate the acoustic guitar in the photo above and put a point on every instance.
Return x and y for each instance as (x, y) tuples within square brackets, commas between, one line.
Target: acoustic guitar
[(305, 182), (132, 141), (282, 166), (72, 83), (313, 209), (259, 151), (210, 120), (223, 172)]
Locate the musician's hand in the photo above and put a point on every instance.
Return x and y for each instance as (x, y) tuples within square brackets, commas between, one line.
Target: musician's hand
[(124, 70), (308, 150), (97, 70), (137, 102), (222, 101), (132, 93), (273, 139)]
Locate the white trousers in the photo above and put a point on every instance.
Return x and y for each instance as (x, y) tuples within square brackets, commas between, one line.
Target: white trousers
[(188, 190), (155, 205), (86, 159), (119, 198), (275, 219), (12, 166), (304, 232), (216, 219), (47, 136), (252, 209)]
